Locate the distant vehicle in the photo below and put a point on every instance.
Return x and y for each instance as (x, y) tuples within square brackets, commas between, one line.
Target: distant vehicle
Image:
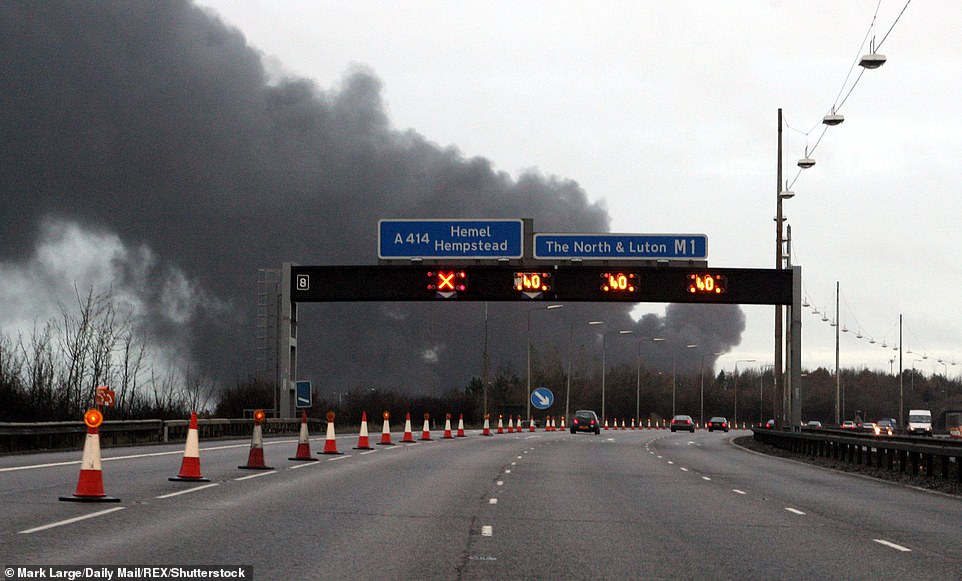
[(848, 425), (585, 421), (815, 424), (953, 423), (884, 427), (894, 423), (920, 423), (867, 426), (682, 422), (770, 424), (717, 423)]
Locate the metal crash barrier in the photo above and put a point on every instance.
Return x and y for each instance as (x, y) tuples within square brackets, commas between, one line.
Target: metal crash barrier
[(906, 454), (39, 436)]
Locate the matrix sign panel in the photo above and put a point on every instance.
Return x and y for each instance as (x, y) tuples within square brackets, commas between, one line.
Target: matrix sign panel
[(561, 283)]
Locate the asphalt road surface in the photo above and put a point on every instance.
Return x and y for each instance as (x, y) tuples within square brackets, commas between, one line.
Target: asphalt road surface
[(622, 505)]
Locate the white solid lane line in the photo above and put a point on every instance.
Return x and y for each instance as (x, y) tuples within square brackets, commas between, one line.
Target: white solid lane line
[(794, 511)]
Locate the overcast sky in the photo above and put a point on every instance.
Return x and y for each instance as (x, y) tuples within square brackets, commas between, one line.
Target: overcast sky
[(667, 112)]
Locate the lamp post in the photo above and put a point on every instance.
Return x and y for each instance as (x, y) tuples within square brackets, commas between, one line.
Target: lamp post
[(761, 392), (673, 379), (571, 333), (547, 308), (638, 371), (604, 356), (737, 361), (702, 397)]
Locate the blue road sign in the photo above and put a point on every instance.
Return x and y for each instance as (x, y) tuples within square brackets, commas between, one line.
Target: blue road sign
[(622, 246), (302, 393), (450, 239), (542, 398)]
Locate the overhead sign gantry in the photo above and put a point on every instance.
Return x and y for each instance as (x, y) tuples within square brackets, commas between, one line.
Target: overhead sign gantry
[(504, 260)]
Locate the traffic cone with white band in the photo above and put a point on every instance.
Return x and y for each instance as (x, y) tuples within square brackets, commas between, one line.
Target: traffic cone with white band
[(386, 431), (255, 459), (486, 430), (447, 428), (303, 442), (408, 433), (510, 424), (500, 424), (363, 441), (461, 433), (90, 485), (426, 430), (190, 467), (330, 443)]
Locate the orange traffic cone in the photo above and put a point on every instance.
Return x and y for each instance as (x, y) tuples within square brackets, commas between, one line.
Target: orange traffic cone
[(606, 424), (510, 424), (362, 440), (386, 431), (408, 433), (426, 430), (562, 427), (461, 433), (530, 424), (500, 424), (303, 442), (190, 467), (330, 444), (447, 428), (255, 460), (90, 486)]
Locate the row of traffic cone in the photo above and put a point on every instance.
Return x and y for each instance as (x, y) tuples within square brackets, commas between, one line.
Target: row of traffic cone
[(90, 486)]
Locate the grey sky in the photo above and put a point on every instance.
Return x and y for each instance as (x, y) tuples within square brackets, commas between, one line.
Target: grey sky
[(666, 112)]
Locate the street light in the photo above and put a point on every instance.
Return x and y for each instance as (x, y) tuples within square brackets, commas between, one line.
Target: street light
[(673, 378), (737, 361), (571, 333), (702, 398), (604, 356), (638, 371), (547, 308)]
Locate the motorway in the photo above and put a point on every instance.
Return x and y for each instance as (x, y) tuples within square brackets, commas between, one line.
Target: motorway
[(645, 504)]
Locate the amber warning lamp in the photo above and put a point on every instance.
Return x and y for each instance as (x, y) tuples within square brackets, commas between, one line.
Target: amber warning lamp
[(93, 418)]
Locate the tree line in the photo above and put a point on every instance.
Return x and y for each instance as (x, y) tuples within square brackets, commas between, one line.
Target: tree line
[(53, 373)]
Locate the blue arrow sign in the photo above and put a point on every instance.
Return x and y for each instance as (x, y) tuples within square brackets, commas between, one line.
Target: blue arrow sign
[(450, 239), (542, 398), (622, 246)]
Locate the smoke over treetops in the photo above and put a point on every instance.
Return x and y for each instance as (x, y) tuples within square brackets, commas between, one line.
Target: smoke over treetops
[(143, 148)]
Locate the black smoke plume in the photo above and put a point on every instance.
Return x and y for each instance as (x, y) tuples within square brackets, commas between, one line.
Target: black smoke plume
[(154, 122)]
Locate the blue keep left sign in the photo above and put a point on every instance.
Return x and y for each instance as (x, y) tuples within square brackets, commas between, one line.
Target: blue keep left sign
[(542, 398)]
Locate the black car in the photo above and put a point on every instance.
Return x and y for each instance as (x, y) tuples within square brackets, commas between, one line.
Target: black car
[(717, 423), (683, 423), (585, 421)]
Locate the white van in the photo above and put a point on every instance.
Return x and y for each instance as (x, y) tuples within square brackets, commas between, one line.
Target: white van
[(920, 422)]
